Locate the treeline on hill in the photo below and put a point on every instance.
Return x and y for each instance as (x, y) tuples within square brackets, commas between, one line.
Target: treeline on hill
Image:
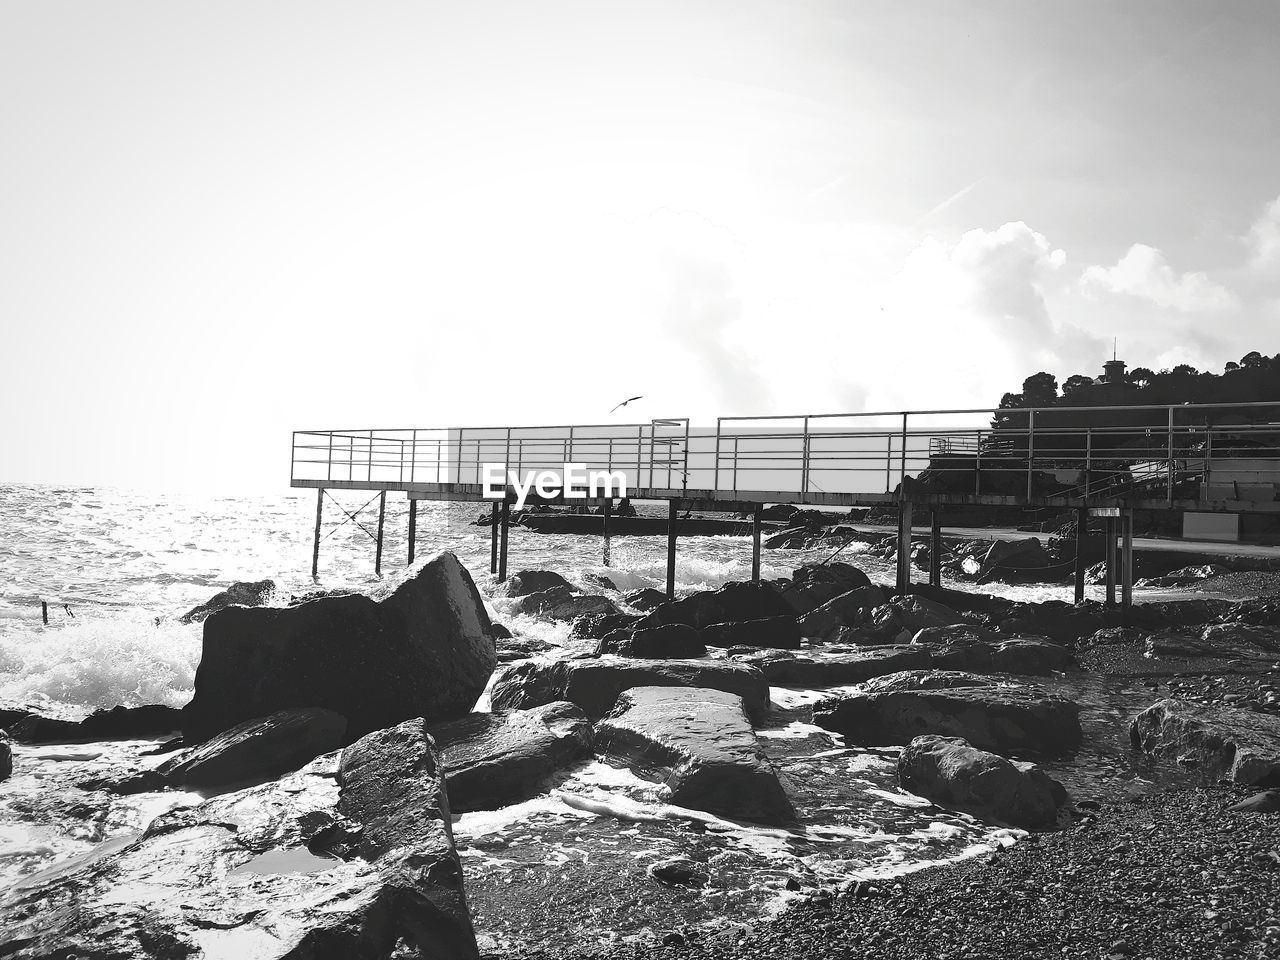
[(1132, 433)]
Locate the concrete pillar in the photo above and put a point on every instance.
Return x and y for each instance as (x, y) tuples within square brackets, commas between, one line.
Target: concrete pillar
[(315, 549), (755, 542), (673, 508)]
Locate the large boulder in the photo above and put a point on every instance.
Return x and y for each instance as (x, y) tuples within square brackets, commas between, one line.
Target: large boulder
[(829, 670), (524, 582), (258, 750), (250, 594), (312, 866), (594, 684), (1238, 744), (845, 610), (562, 603), (814, 584), (495, 759), (655, 643), (699, 744), (733, 601), (952, 773), (1002, 718), (903, 617), (1015, 555), (645, 599), (424, 651), (776, 632)]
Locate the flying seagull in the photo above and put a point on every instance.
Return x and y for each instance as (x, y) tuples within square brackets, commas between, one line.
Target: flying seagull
[(626, 401)]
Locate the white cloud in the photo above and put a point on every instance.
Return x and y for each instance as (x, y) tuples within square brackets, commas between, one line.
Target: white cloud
[(1264, 237), (1144, 272)]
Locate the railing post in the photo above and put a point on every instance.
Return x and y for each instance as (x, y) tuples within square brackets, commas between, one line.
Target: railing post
[(461, 431), (735, 466), (413, 456), (1088, 461), (368, 471), (902, 477), (1171, 461), (977, 468), (888, 462), (1031, 447), (804, 465), (568, 456), (715, 479)]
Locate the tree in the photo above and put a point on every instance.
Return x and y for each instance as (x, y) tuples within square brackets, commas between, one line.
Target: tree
[(1074, 383), (1253, 361), (1231, 367), (1185, 370), (1140, 376), (1040, 389)]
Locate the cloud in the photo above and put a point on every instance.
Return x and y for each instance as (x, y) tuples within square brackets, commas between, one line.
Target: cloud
[(1144, 272), (1264, 237)]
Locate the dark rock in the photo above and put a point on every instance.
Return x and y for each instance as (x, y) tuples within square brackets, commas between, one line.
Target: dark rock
[(952, 773), (561, 603), (594, 684), (1185, 575), (645, 599), (599, 581), (6, 757), (253, 594), (499, 632), (926, 680), (847, 609), (522, 648), (732, 602), (1268, 801), (699, 744), (1015, 555), (524, 582), (424, 651), (831, 670), (495, 759), (597, 626), (118, 723), (258, 750), (671, 640), (679, 872), (1018, 655), (780, 632), (957, 635), (1239, 744), (903, 617), (989, 717)]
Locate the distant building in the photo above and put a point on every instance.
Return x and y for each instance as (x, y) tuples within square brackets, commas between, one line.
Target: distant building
[(1113, 371)]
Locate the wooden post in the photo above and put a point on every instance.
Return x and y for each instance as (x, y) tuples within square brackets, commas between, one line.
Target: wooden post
[(1126, 561), (502, 548), (935, 547), (673, 508), (44, 611), (904, 545), (1082, 529), (382, 517), (1111, 561), (493, 539), (413, 528), (608, 515), (755, 542), (315, 549)]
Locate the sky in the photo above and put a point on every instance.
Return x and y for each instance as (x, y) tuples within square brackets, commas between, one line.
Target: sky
[(223, 222)]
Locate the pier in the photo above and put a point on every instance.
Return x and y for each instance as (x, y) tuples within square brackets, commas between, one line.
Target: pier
[(1210, 463)]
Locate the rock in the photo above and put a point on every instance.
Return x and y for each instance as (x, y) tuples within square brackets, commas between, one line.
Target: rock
[(989, 717), (1187, 575), (1014, 555), (424, 651), (1239, 744), (1268, 801), (671, 640), (522, 648), (699, 744), (1017, 655), (645, 599), (524, 582), (814, 584), (903, 617), (779, 632), (1231, 640), (1058, 620), (952, 773), (118, 723), (844, 610), (599, 581), (499, 631), (594, 684), (253, 594), (290, 869), (957, 635), (679, 872), (6, 757), (561, 603), (732, 602), (597, 626), (926, 680), (258, 750), (831, 670), (492, 760)]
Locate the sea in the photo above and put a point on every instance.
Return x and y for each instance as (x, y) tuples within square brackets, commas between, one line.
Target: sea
[(117, 569)]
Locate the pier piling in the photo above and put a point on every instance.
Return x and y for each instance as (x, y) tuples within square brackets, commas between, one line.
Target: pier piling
[(1082, 529), (493, 539), (673, 508), (1126, 562), (904, 545), (413, 528), (935, 547), (315, 549), (608, 514), (1111, 561), (502, 546), (755, 542), (382, 517)]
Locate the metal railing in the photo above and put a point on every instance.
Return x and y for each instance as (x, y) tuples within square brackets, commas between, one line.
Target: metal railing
[(1185, 452)]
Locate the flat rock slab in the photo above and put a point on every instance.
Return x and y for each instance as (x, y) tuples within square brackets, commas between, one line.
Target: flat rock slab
[(655, 643), (699, 744), (1029, 657), (1239, 744), (594, 684), (775, 632), (495, 759), (839, 668), (732, 602), (953, 773), (1000, 718)]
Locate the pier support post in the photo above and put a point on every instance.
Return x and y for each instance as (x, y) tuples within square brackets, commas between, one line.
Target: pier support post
[(413, 528), (493, 539), (673, 508), (608, 515), (315, 549), (1111, 561), (755, 542), (904, 546), (935, 547), (1082, 530), (1126, 562), (382, 518), (502, 546)]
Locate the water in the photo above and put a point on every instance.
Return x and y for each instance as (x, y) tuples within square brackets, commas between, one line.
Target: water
[(568, 866)]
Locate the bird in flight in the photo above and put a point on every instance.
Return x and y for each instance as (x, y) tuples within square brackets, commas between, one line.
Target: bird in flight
[(626, 401)]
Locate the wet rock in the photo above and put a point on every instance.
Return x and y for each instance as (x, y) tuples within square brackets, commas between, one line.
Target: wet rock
[(6, 757), (561, 603), (671, 640), (645, 599), (499, 632), (495, 759), (926, 680), (1015, 555), (845, 610), (952, 773), (258, 750), (251, 594), (1026, 656), (903, 617), (1239, 744), (1058, 620), (424, 651), (679, 872), (699, 744), (118, 723), (522, 648), (1001, 718), (599, 581), (957, 635), (1242, 640), (1268, 801), (779, 632), (594, 684), (814, 584), (831, 670), (732, 602), (250, 873), (524, 582), (1184, 576), (597, 626)]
